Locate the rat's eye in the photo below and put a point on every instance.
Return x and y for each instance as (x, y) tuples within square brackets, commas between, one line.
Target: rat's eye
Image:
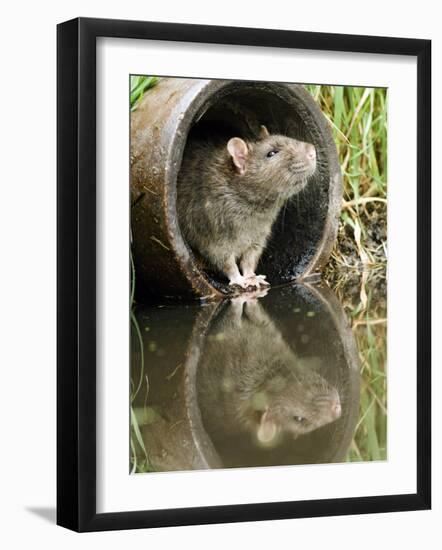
[(272, 153), (299, 419)]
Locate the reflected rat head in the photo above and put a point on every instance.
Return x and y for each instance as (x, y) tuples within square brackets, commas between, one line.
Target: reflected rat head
[(296, 404), (275, 164)]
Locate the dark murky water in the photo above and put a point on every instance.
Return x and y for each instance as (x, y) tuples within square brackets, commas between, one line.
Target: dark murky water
[(265, 381)]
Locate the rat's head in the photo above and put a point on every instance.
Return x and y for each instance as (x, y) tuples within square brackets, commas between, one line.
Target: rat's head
[(296, 405), (278, 164)]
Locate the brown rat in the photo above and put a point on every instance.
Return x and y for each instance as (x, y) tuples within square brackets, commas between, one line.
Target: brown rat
[(230, 194), (251, 380)]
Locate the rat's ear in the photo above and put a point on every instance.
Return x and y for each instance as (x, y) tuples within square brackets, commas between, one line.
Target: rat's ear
[(263, 132), (267, 428), (239, 152)]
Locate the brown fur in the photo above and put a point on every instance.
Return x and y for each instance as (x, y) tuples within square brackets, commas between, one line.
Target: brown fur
[(252, 379), (229, 195)]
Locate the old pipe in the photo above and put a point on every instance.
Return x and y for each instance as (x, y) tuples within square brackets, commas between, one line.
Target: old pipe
[(303, 235)]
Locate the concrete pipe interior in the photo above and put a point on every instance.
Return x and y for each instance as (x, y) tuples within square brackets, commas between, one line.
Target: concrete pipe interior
[(300, 234)]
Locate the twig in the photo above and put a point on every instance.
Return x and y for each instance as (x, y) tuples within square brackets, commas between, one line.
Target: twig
[(369, 322), (361, 201)]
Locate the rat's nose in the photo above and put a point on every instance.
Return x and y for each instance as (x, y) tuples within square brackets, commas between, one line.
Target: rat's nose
[(310, 151)]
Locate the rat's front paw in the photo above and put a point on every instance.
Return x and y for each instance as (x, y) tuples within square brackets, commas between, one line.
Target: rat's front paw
[(240, 281), (257, 281), (251, 296)]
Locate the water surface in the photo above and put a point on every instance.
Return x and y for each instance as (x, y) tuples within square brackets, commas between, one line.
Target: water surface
[(255, 381)]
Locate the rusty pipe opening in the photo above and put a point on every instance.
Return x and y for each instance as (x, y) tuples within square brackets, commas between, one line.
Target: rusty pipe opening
[(167, 119)]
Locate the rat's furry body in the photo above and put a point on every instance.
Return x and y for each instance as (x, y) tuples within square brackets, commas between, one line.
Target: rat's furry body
[(230, 194), (250, 378)]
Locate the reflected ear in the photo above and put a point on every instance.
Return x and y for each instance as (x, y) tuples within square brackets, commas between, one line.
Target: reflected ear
[(267, 428), (239, 152), (263, 132)]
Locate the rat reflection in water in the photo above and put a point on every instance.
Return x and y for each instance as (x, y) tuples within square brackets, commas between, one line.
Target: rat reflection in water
[(254, 381), (251, 379)]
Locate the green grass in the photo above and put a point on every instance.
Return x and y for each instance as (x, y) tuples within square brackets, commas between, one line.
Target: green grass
[(370, 439), (358, 120), (138, 86), (139, 459), (369, 326)]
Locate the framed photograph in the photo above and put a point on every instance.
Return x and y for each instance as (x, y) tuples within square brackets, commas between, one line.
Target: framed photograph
[(230, 202)]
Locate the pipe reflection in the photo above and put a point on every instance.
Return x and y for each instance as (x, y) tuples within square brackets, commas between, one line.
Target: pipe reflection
[(253, 381)]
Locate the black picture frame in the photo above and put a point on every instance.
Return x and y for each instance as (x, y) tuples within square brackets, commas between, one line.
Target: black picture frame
[(76, 273)]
